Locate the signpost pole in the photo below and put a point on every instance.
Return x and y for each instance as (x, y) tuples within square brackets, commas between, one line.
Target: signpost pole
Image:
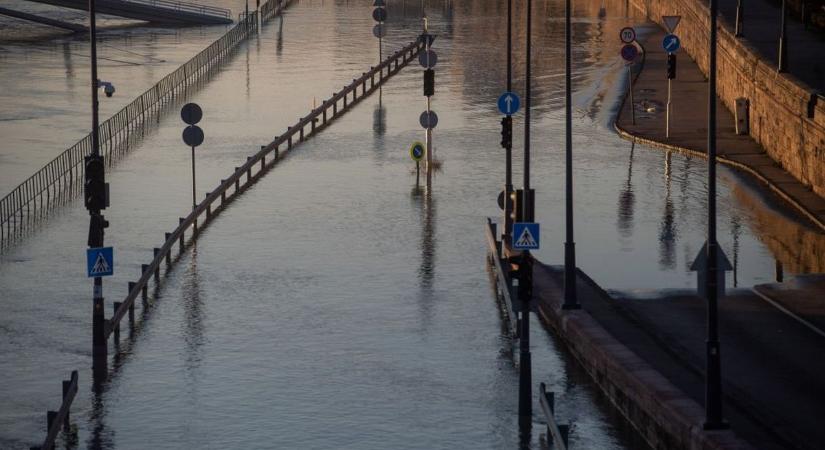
[(630, 93), (429, 133), (508, 150), (525, 403), (667, 112)]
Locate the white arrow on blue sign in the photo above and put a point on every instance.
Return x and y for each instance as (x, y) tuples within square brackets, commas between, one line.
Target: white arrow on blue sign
[(509, 103), (100, 262), (671, 43), (526, 236)]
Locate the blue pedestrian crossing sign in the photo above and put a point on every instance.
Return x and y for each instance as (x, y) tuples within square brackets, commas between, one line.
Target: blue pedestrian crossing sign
[(671, 43), (526, 236), (509, 103), (100, 262)]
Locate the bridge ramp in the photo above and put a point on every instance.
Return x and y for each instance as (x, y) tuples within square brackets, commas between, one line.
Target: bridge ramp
[(168, 12)]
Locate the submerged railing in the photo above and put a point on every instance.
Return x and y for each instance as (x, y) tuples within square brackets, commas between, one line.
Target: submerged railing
[(62, 178), (243, 177)]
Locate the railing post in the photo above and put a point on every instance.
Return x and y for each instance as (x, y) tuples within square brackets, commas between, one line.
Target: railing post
[(156, 252), (143, 269), (166, 237), (116, 330), (182, 233)]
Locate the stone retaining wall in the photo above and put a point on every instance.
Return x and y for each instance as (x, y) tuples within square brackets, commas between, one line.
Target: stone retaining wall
[(786, 117)]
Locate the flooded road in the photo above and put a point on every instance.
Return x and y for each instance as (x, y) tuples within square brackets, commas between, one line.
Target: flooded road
[(333, 305)]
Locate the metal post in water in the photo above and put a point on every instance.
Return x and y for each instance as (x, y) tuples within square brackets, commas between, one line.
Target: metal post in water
[(713, 377), (570, 298), (630, 92), (525, 398)]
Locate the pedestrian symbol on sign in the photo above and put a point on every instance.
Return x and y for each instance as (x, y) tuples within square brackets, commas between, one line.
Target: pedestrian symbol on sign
[(527, 236), (100, 262)]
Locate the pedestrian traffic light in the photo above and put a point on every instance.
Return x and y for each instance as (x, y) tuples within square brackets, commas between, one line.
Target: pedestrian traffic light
[(429, 82), (95, 189), (96, 226), (671, 66), (507, 132)]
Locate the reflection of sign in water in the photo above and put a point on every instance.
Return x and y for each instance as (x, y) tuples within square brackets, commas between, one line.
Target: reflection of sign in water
[(671, 22), (417, 151), (100, 262), (671, 43), (526, 236)]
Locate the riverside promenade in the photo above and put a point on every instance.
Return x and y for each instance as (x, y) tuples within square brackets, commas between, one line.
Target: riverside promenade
[(688, 126)]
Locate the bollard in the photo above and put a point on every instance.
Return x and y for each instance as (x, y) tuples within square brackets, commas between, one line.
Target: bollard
[(155, 253), (117, 325)]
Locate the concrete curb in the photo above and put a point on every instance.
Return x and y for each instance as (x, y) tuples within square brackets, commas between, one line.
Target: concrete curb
[(735, 164), (663, 414)]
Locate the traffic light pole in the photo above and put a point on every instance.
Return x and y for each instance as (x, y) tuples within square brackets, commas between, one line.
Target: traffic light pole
[(99, 347), (508, 147), (525, 398), (713, 373)]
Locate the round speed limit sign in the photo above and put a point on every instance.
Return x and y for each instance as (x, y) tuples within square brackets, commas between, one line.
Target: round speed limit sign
[(627, 35)]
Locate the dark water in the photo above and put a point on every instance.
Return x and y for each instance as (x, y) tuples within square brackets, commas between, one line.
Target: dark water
[(333, 305)]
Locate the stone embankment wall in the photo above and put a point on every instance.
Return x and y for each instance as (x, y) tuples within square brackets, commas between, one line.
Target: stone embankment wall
[(786, 116)]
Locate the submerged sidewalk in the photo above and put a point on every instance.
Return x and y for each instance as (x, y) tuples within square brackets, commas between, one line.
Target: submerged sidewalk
[(688, 126)]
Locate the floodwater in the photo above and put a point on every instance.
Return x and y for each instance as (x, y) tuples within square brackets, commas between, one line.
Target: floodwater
[(333, 304)]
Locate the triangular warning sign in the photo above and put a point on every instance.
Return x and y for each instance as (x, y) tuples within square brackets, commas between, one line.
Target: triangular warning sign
[(671, 22), (526, 239), (101, 265)]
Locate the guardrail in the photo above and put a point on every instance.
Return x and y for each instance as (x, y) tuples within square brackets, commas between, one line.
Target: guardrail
[(272, 8), (504, 287), (187, 7), (235, 184), (59, 418), (558, 433), (62, 178)]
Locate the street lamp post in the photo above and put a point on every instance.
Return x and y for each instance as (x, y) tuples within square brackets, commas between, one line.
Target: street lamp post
[(508, 149), (713, 377), (570, 298)]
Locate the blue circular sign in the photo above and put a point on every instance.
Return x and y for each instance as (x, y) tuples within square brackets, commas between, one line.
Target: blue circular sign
[(509, 103), (629, 52), (671, 43)]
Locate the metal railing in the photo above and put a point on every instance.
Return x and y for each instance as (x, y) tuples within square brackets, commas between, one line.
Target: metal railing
[(56, 419), (272, 8), (62, 178), (185, 7), (235, 184), (555, 432)]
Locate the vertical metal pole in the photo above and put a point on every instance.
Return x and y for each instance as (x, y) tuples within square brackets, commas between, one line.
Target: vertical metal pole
[(99, 347), (525, 388), (570, 298), (508, 151), (740, 17), (667, 112), (630, 92), (713, 378), (783, 40), (429, 133), (194, 197)]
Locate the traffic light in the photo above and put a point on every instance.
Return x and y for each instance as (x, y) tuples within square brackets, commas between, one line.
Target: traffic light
[(525, 277), (96, 226), (94, 189), (507, 132), (517, 206), (671, 66), (429, 82)]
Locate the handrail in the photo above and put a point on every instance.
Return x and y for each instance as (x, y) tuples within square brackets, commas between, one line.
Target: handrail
[(559, 433), (54, 419), (399, 59), (61, 177), (502, 280)]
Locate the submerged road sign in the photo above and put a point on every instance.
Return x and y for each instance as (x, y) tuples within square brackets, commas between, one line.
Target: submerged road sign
[(627, 35), (671, 22), (509, 103), (526, 236), (629, 52), (671, 43), (100, 262), (417, 151)]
